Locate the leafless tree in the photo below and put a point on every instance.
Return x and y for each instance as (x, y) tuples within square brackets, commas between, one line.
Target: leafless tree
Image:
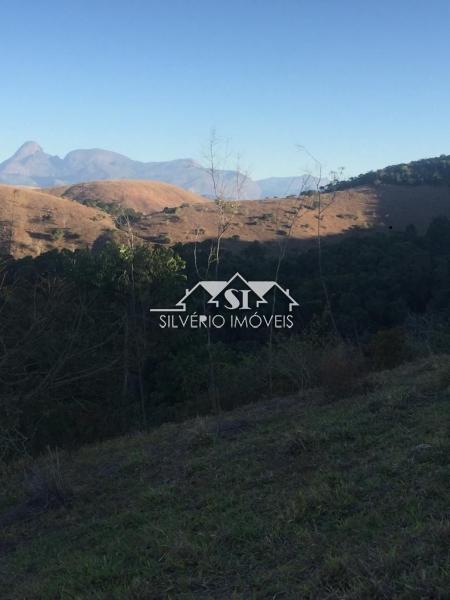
[(217, 158), (302, 204)]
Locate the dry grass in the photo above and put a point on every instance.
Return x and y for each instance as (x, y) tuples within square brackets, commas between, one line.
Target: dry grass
[(143, 196), (36, 216), (384, 208)]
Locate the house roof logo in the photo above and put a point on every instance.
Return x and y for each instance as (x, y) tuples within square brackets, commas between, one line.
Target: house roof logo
[(216, 289)]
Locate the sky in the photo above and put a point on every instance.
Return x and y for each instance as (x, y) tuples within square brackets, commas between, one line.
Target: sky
[(357, 84)]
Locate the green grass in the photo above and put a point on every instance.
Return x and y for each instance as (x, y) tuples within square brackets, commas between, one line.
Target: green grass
[(297, 498)]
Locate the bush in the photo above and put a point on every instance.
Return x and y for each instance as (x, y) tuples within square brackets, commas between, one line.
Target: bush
[(388, 348), (57, 234), (46, 485), (242, 381), (339, 370), (295, 364), (128, 216)]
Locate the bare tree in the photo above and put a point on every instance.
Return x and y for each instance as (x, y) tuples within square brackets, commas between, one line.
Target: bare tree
[(226, 198), (302, 204)]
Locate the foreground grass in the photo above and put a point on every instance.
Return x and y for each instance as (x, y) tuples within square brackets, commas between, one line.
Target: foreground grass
[(299, 498)]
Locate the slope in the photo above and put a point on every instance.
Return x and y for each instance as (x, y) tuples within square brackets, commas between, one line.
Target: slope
[(294, 498), (382, 207), (426, 171), (142, 196), (32, 222)]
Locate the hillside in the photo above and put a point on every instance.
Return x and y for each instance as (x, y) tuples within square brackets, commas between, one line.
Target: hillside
[(427, 171), (381, 207), (142, 196), (33, 222), (300, 497), (169, 215)]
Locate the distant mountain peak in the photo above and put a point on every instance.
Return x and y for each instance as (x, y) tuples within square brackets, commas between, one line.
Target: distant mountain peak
[(30, 165), (27, 149)]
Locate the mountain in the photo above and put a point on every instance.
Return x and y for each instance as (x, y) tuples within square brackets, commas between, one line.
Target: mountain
[(32, 166)]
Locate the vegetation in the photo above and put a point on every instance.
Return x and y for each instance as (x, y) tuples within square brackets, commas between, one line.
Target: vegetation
[(331, 486), (429, 171), (83, 358), (292, 498), (122, 214), (57, 233)]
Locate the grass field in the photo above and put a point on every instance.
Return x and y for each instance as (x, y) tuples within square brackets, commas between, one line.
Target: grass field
[(300, 497)]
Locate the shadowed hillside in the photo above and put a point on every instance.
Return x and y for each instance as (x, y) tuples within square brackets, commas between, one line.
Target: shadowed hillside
[(383, 207)]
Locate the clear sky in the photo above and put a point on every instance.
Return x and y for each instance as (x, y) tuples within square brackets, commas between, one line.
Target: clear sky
[(360, 84)]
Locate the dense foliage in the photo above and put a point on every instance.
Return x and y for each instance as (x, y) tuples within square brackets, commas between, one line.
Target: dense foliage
[(430, 171), (82, 357)]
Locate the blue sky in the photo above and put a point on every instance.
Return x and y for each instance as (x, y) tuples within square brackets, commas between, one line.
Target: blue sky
[(359, 84)]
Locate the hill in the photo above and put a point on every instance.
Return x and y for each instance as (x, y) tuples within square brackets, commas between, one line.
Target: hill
[(31, 166), (427, 171), (381, 207), (142, 196), (164, 214), (33, 222), (298, 497)]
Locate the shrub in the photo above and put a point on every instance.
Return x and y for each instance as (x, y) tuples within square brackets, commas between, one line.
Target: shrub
[(128, 216), (388, 348), (241, 381), (46, 485), (57, 233), (339, 370), (161, 238), (295, 364)]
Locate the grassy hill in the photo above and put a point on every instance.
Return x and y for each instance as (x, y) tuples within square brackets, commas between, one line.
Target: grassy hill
[(301, 497), (142, 196), (32, 222)]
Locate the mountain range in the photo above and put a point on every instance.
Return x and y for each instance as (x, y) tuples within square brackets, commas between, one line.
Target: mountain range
[(32, 166)]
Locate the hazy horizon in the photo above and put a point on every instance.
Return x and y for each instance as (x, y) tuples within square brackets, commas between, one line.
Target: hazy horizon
[(149, 80)]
